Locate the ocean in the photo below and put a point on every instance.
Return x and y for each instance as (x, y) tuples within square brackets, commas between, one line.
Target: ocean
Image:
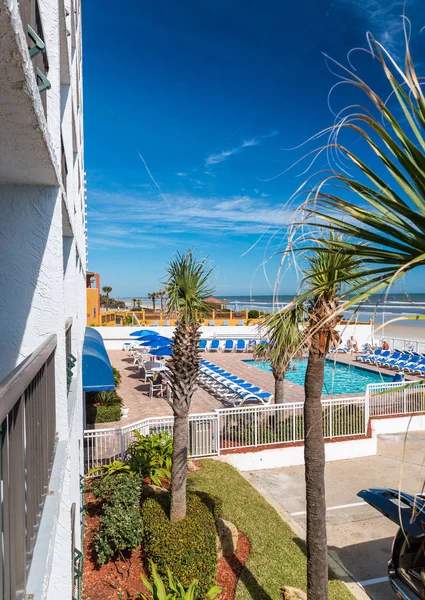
[(380, 309)]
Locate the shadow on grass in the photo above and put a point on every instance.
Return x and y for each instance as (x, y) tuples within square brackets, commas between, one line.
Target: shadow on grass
[(241, 572)]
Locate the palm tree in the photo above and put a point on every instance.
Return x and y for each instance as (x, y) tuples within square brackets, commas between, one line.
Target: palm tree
[(327, 267), (186, 287), (152, 296), (107, 290), (285, 342), (382, 206), (161, 295), (134, 302), (138, 303)]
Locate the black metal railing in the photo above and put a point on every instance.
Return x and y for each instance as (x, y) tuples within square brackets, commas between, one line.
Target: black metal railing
[(28, 440)]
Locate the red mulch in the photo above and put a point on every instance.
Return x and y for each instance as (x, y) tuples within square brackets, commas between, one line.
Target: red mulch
[(120, 579), (230, 568)]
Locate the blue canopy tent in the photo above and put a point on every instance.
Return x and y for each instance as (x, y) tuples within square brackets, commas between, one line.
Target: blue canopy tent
[(97, 370)]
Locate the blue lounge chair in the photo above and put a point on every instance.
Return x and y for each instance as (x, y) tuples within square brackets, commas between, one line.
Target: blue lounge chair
[(229, 346), (202, 346), (395, 356), (155, 324), (372, 356), (240, 346), (241, 323), (381, 354), (167, 323), (225, 323), (215, 344), (211, 323), (403, 360)]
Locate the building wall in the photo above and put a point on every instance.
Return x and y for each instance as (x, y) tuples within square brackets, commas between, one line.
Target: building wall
[(93, 307), (43, 264)]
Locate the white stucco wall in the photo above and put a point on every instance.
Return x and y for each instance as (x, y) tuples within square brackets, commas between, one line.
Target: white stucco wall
[(42, 280)]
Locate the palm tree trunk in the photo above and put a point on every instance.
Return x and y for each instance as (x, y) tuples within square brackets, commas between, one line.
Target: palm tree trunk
[(179, 467), (107, 302), (279, 394), (314, 457)]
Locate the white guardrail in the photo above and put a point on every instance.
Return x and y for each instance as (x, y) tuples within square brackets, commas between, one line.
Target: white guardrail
[(233, 428), (247, 427), (386, 399)]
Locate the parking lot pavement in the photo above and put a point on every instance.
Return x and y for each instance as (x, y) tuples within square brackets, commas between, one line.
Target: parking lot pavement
[(358, 536)]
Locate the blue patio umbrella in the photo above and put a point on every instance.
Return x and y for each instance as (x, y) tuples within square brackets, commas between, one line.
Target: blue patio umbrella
[(156, 342), (156, 338), (142, 333), (163, 351)]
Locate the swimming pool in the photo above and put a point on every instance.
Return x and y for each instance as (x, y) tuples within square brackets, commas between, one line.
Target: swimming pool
[(339, 378)]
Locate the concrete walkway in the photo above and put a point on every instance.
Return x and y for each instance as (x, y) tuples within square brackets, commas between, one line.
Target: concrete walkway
[(358, 536)]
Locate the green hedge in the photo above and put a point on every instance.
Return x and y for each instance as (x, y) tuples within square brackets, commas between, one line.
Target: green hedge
[(120, 525), (187, 547), (104, 414)]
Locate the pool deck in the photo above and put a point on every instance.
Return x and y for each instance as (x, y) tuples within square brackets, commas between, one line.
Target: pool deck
[(135, 393)]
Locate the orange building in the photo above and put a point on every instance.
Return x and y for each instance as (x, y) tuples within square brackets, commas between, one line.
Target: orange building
[(93, 299)]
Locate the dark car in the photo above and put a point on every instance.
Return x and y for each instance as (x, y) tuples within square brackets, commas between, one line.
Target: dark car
[(406, 569)]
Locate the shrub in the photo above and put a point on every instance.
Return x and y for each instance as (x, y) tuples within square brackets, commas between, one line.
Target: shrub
[(120, 489), (117, 376), (187, 547), (120, 530), (150, 456), (104, 414), (120, 525)]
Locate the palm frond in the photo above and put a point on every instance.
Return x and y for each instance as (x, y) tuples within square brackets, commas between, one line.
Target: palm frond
[(382, 215), (187, 286), (285, 339)]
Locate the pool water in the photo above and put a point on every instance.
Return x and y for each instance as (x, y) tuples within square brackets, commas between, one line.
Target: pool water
[(339, 378)]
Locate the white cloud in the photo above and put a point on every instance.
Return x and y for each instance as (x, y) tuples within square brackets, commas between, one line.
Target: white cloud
[(384, 20), (146, 219), (214, 159), (181, 174)]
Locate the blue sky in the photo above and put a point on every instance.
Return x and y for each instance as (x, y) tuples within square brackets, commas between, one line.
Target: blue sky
[(189, 110)]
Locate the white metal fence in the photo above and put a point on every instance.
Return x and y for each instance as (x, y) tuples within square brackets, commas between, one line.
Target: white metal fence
[(402, 344), (386, 399), (234, 428)]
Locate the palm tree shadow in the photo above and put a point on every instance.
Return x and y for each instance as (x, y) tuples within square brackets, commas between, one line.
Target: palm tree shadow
[(244, 575)]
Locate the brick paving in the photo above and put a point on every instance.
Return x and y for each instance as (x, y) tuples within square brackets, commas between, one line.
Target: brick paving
[(135, 393)]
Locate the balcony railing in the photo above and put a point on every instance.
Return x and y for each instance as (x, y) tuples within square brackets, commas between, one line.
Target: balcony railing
[(28, 439), (70, 358), (31, 20)]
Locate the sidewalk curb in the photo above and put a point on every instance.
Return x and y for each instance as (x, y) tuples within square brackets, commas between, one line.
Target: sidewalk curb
[(335, 563)]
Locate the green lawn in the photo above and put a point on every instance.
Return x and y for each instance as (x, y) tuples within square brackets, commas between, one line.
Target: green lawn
[(277, 555)]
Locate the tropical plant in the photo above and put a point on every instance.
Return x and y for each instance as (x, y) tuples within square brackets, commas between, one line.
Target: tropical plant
[(134, 302), (108, 398), (151, 456), (107, 290), (153, 296), (381, 207), (117, 376), (285, 342), (186, 288), (326, 269), (172, 589), (115, 467), (138, 303)]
